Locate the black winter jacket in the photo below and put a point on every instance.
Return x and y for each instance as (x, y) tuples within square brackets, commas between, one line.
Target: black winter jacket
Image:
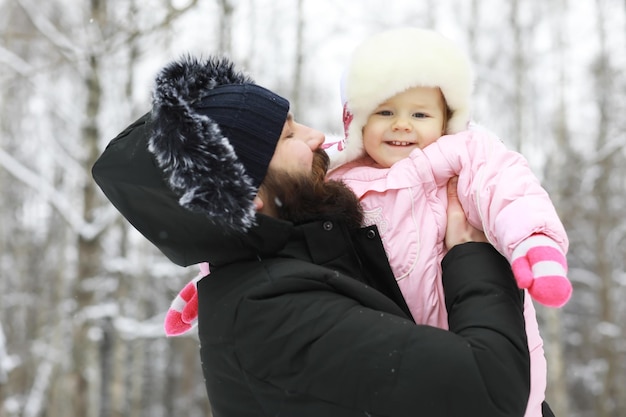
[(292, 333), (307, 320)]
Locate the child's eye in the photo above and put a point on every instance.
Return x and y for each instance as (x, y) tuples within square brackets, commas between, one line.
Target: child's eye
[(384, 112), (420, 115)]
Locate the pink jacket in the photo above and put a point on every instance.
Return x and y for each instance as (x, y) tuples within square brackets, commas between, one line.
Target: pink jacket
[(408, 201)]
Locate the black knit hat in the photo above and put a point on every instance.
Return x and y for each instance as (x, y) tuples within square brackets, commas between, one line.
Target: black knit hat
[(214, 135), (190, 169)]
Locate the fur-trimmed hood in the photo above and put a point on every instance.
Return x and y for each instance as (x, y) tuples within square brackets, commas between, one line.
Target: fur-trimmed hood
[(129, 177), (213, 133), (177, 175)]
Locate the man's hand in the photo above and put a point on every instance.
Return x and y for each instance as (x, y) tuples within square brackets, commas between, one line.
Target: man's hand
[(458, 229)]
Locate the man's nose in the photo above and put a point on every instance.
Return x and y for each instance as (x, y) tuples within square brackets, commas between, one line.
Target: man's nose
[(314, 138)]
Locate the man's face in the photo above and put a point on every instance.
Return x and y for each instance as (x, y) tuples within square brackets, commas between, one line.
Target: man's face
[(295, 147), (295, 186), (302, 197)]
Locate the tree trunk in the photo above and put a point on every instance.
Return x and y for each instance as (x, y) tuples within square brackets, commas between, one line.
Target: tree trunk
[(606, 401), (556, 392), (85, 372)]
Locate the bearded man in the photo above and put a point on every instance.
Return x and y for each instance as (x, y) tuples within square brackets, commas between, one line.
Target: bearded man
[(300, 315)]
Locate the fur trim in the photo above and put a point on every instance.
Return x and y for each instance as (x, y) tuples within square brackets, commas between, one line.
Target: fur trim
[(199, 162), (393, 61)]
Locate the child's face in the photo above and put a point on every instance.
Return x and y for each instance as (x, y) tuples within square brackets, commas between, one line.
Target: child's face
[(412, 119)]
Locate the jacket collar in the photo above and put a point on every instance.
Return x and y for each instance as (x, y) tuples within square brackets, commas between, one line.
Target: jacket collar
[(320, 242)]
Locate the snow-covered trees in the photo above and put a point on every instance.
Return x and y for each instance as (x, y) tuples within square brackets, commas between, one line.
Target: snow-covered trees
[(82, 295)]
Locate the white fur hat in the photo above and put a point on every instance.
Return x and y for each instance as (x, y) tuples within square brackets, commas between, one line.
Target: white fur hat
[(393, 61)]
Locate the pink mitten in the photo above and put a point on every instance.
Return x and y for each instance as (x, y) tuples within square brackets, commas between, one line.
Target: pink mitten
[(539, 265), (183, 313)]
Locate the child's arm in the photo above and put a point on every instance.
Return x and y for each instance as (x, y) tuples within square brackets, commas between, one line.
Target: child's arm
[(500, 193)]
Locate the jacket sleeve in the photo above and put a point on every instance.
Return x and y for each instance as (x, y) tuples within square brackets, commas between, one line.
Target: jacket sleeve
[(497, 189), (334, 349)]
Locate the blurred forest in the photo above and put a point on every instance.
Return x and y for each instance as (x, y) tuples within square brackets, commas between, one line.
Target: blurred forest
[(83, 296)]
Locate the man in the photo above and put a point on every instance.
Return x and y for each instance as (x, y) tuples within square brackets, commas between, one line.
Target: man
[(301, 315)]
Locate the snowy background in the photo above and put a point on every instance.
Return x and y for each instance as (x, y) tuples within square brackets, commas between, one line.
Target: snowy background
[(82, 295)]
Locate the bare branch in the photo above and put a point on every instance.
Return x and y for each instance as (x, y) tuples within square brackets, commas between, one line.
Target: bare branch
[(63, 206), (66, 47)]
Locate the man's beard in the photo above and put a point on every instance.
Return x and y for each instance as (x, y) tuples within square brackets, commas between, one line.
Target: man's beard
[(305, 198)]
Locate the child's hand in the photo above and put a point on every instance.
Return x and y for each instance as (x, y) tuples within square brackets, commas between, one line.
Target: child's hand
[(183, 313), (540, 265)]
